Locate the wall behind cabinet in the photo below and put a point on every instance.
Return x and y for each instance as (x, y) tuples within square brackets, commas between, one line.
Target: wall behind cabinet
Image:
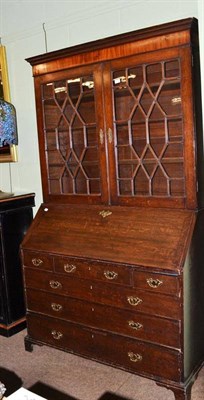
[(67, 23)]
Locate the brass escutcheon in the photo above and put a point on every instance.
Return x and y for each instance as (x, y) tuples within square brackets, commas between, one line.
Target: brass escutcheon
[(56, 335), (134, 301), (104, 213), (69, 268), (135, 325), (37, 262), (134, 357), (154, 283), (111, 275), (55, 285), (56, 307)]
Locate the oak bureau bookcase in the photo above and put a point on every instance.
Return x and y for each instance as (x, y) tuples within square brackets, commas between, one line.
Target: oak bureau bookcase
[(114, 259)]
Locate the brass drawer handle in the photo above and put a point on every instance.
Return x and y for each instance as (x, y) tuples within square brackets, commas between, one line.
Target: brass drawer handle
[(111, 275), (69, 268), (135, 325), (134, 301), (134, 357), (55, 285), (37, 262), (56, 335), (56, 307), (154, 283)]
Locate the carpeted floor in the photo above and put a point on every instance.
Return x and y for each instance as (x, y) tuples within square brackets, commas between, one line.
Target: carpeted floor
[(57, 375)]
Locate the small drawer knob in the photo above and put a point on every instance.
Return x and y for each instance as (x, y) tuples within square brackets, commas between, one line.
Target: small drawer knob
[(56, 335), (134, 357), (55, 285)]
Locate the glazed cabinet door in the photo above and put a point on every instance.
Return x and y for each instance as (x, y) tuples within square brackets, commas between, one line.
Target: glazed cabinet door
[(150, 129), (119, 132), (71, 135)]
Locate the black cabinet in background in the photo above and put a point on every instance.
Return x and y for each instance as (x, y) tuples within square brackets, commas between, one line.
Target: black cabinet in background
[(16, 215)]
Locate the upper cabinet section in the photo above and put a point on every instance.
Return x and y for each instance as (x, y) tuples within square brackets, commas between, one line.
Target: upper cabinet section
[(117, 119)]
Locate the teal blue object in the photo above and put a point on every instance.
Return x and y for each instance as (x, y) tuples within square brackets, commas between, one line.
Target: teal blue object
[(8, 125)]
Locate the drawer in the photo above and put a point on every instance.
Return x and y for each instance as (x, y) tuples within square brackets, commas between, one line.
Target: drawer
[(160, 283), (129, 354), (93, 270), (108, 318), (37, 260), (115, 295)]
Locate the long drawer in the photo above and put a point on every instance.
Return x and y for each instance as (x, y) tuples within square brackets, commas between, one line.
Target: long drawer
[(124, 322), (129, 354), (117, 296)]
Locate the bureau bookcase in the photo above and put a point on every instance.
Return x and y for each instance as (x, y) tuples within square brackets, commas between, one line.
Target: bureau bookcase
[(113, 261)]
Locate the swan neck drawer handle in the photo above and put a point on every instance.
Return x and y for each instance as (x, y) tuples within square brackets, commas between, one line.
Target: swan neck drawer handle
[(56, 307), (154, 283), (135, 325), (111, 275), (36, 262), (134, 301), (69, 268), (56, 335), (55, 285), (134, 357)]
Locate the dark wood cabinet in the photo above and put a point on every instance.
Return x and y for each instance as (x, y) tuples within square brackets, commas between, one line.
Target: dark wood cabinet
[(15, 217), (114, 256)]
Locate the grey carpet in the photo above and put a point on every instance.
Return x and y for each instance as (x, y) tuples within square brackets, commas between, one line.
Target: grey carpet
[(57, 375)]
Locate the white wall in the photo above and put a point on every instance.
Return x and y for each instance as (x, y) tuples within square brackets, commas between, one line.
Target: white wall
[(67, 22)]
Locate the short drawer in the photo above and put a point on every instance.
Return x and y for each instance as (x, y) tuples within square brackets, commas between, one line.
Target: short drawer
[(95, 270), (158, 283), (117, 296), (129, 354), (37, 260), (129, 323)]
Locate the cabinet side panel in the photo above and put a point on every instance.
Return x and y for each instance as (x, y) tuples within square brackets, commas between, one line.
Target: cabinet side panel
[(194, 301)]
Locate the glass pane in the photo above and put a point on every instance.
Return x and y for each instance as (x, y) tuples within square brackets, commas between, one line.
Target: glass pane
[(70, 133), (149, 129), (141, 183)]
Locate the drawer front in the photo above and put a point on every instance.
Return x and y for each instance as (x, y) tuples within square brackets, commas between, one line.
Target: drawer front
[(93, 270), (129, 354), (157, 283), (108, 318), (117, 296), (38, 260)]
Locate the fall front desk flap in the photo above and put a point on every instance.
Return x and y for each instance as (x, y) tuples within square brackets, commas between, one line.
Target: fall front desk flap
[(148, 237)]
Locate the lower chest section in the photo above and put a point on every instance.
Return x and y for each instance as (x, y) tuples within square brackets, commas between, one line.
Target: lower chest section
[(121, 315)]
